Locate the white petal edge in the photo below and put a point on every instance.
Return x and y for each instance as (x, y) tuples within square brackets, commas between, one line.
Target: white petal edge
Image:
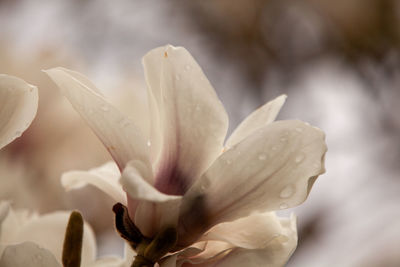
[(118, 133), (274, 168), (18, 107), (27, 254), (188, 109), (259, 118), (255, 231), (105, 177), (275, 254), (279, 245)]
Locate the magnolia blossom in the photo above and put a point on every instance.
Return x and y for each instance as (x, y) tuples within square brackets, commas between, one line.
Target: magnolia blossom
[(18, 106), (29, 239), (198, 200)]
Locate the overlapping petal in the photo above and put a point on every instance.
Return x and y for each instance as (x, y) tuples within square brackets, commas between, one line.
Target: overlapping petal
[(256, 240), (106, 178), (188, 113), (18, 106), (271, 169), (150, 208), (256, 120), (121, 137)]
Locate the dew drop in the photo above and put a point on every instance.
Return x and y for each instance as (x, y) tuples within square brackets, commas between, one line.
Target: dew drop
[(299, 158), (299, 129), (283, 139), (283, 206), (18, 133), (188, 67), (228, 161), (198, 108), (104, 108), (262, 157), (177, 77), (287, 192), (148, 143)]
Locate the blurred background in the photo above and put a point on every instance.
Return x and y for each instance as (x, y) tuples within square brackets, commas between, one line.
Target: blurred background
[(338, 62)]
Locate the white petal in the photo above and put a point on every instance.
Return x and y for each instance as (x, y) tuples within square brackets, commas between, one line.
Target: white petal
[(48, 231), (252, 232), (118, 133), (258, 240), (4, 209), (105, 178), (275, 254), (151, 217), (27, 254), (155, 208), (18, 106), (190, 115), (134, 181), (272, 169), (259, 118)]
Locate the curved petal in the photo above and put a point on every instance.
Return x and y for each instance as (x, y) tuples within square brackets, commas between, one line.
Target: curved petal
[(134, 182), (257, 240), (256, 120), (118, 133), (272, 169), (27, 254), (105, 178), (188, 112), (150, 208), (18, 106), (252, 232), (48, 232), (276, 253)]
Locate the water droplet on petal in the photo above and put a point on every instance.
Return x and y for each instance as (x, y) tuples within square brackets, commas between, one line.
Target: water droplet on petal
[(283, 206), (177, 77), (104, 107), (262, 157), (228, 162), (299, 158), (38, 257), (198, 108), (283, 139), (299, 129), (287, 192), (188, 67), (18, 133), (148, 143)]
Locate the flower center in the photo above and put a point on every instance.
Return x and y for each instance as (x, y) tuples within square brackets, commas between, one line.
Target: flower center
[(171, 181)]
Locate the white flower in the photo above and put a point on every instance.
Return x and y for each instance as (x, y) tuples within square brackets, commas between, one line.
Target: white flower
[(220, 199), (29, 239), (18, 106)]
